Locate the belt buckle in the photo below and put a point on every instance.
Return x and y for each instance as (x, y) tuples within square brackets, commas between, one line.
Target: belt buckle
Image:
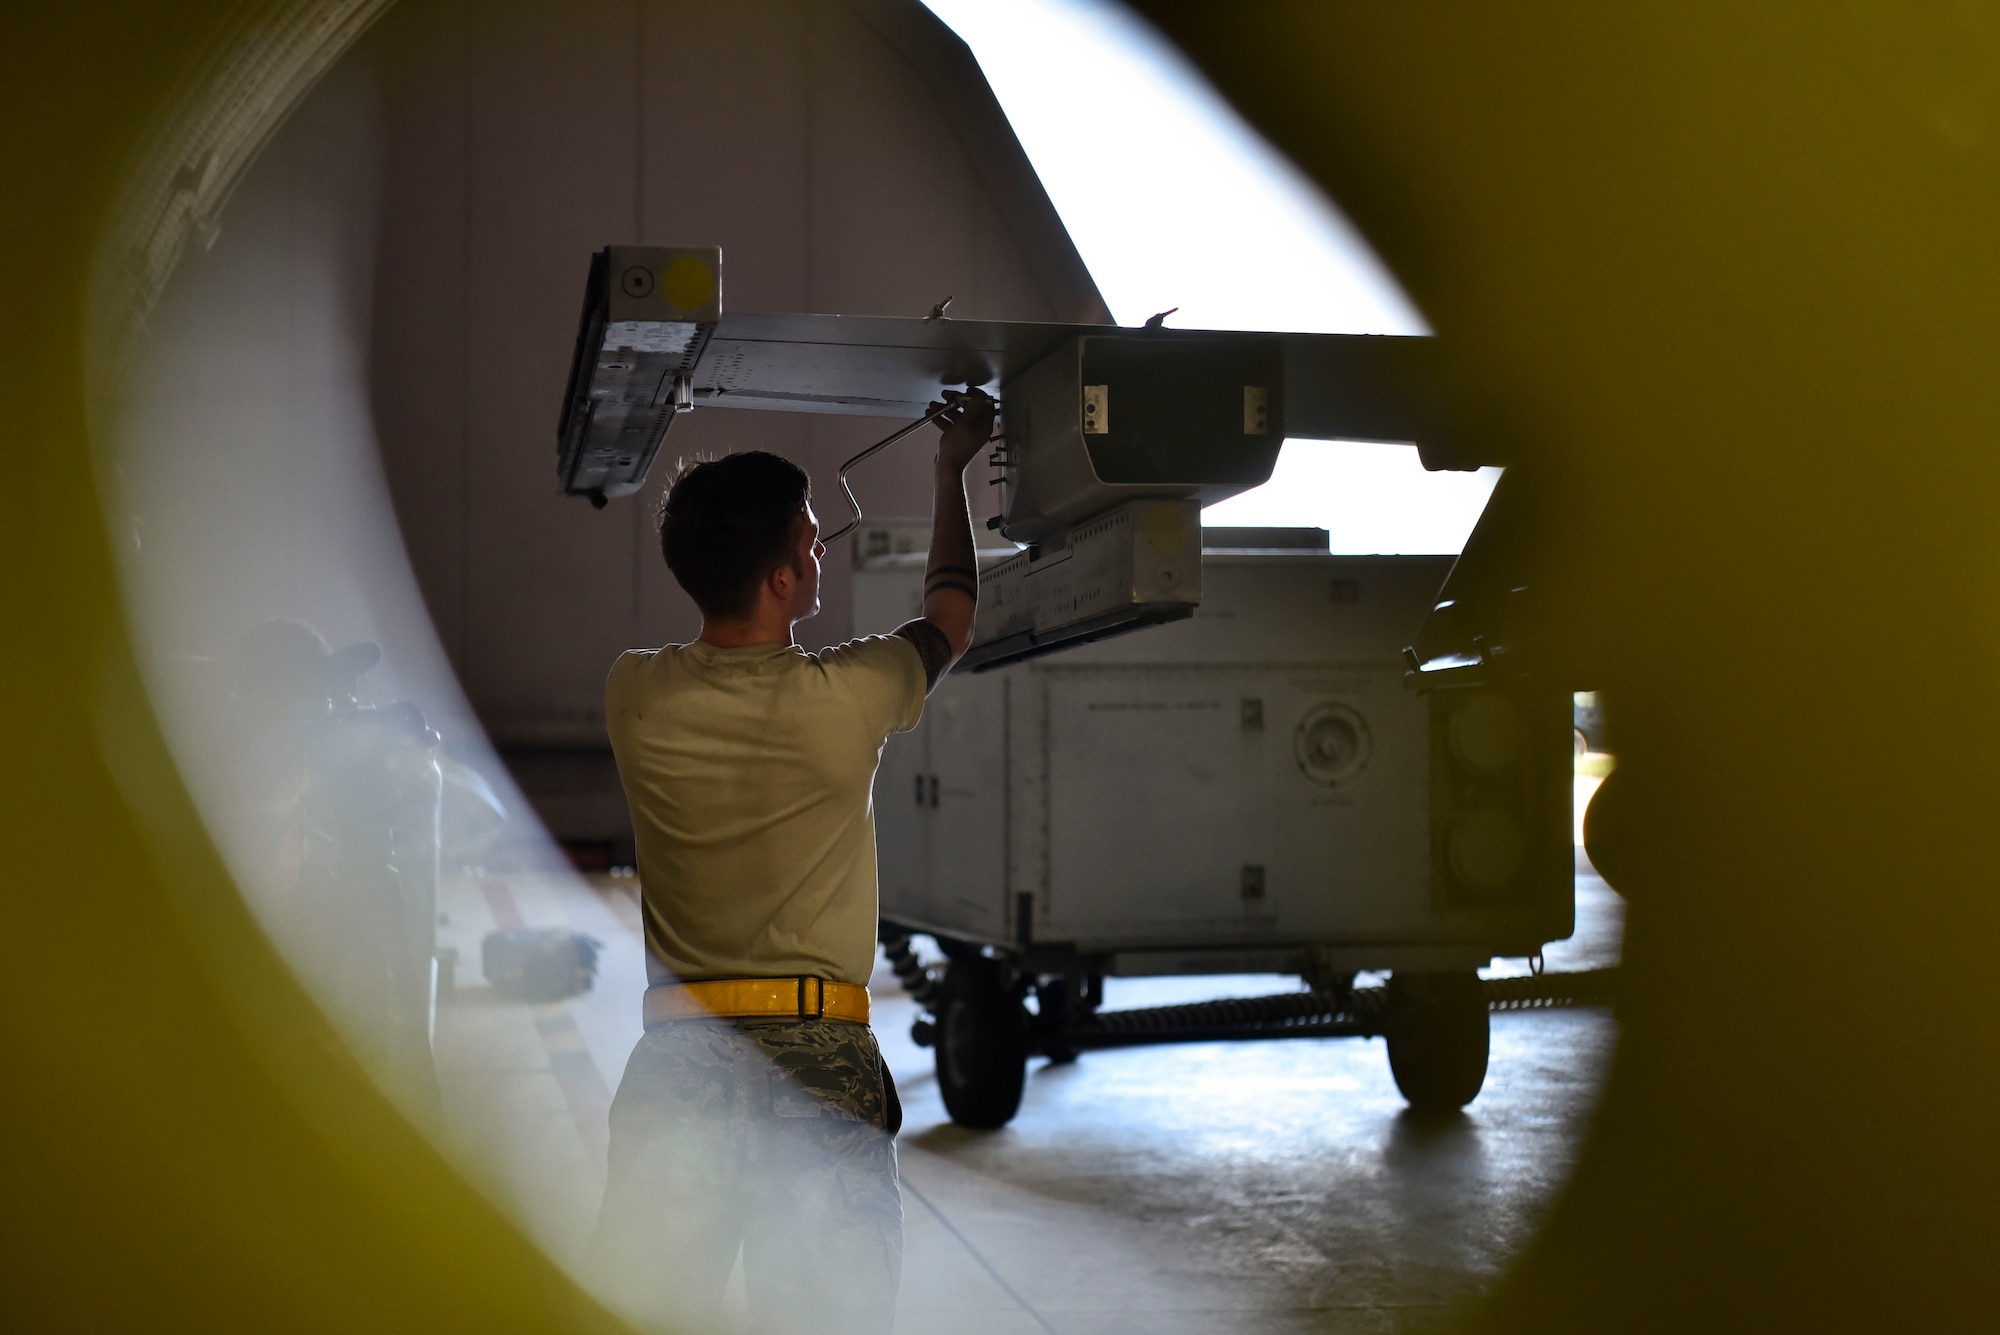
[(820, 1013)]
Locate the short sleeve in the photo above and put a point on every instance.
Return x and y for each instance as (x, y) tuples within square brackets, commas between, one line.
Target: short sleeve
[(623, 677), (885, 676)]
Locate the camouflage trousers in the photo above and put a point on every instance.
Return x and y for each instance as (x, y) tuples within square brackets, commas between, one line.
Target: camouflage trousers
[(771, 1135)]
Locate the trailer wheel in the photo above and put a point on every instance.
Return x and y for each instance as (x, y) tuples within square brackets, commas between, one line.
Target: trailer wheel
[(982, 1044), (1438, 1035)]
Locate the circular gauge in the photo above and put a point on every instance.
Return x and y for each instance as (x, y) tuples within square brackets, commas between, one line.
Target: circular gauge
[(637, 281), (1487, 732), (1487, 849), (1332, 745)]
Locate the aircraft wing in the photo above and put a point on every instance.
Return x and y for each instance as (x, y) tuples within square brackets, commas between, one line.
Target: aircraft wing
[(1346, 386), (654, 341)]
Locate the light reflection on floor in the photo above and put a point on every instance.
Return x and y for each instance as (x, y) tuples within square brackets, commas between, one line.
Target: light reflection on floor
[(1274, 1186)]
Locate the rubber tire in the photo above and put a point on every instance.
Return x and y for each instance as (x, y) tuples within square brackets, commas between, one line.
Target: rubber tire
[(1058, 1008), (982, 1044), (1438, 1034)]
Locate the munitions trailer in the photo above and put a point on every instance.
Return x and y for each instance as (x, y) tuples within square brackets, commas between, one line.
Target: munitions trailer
[(1254, 788)]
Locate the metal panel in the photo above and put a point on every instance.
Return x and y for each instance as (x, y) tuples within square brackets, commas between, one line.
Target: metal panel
[(941, 803), (903, 827), (1353, 855), (1359, 386), (548, 150), (869, 365), (889, 595), (1134, 566), (966, 735), (1159, 810), (1107, 418)]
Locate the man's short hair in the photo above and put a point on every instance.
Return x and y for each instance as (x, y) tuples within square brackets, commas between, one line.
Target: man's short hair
[(726, 524)]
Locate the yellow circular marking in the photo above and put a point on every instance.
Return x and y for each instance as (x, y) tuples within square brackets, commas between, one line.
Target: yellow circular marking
[(1166, 527), (688, 284)]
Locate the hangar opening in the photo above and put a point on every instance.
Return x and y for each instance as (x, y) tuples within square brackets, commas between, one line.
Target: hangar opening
[(377, 634)]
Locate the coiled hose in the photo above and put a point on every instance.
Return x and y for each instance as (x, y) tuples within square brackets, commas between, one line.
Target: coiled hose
[(1547, 991), (1284, 1011), (1359, 1012), (910, 970)]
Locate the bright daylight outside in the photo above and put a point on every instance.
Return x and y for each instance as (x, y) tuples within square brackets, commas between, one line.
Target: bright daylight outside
[(1193, 209)]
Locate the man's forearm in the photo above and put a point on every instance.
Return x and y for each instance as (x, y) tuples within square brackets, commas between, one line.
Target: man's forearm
[(952, 563), (951, 580)]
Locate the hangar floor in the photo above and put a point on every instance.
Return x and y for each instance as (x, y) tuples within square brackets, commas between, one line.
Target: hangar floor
[(1269, 1187)]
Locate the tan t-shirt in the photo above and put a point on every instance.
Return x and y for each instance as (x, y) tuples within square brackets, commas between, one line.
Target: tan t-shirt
[(749, 773)]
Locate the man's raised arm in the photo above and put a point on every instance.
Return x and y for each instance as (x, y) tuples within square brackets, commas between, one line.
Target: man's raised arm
[(951, 579)]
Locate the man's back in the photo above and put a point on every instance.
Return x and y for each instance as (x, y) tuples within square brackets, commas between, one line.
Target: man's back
[(755, 1113), (748, 773)]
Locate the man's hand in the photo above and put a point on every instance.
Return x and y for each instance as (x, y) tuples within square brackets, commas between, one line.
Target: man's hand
[(964, 431)]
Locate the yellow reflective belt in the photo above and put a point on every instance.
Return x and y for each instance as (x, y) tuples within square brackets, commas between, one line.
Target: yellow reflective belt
[(787, 998)]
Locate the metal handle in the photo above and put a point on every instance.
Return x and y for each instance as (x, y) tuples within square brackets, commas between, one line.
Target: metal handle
[(829, 538)]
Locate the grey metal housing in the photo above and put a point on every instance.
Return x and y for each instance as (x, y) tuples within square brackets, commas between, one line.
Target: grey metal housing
[(1251, 789)]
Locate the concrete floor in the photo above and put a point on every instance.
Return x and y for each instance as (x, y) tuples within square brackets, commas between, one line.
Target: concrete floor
[(1269, 1187)]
